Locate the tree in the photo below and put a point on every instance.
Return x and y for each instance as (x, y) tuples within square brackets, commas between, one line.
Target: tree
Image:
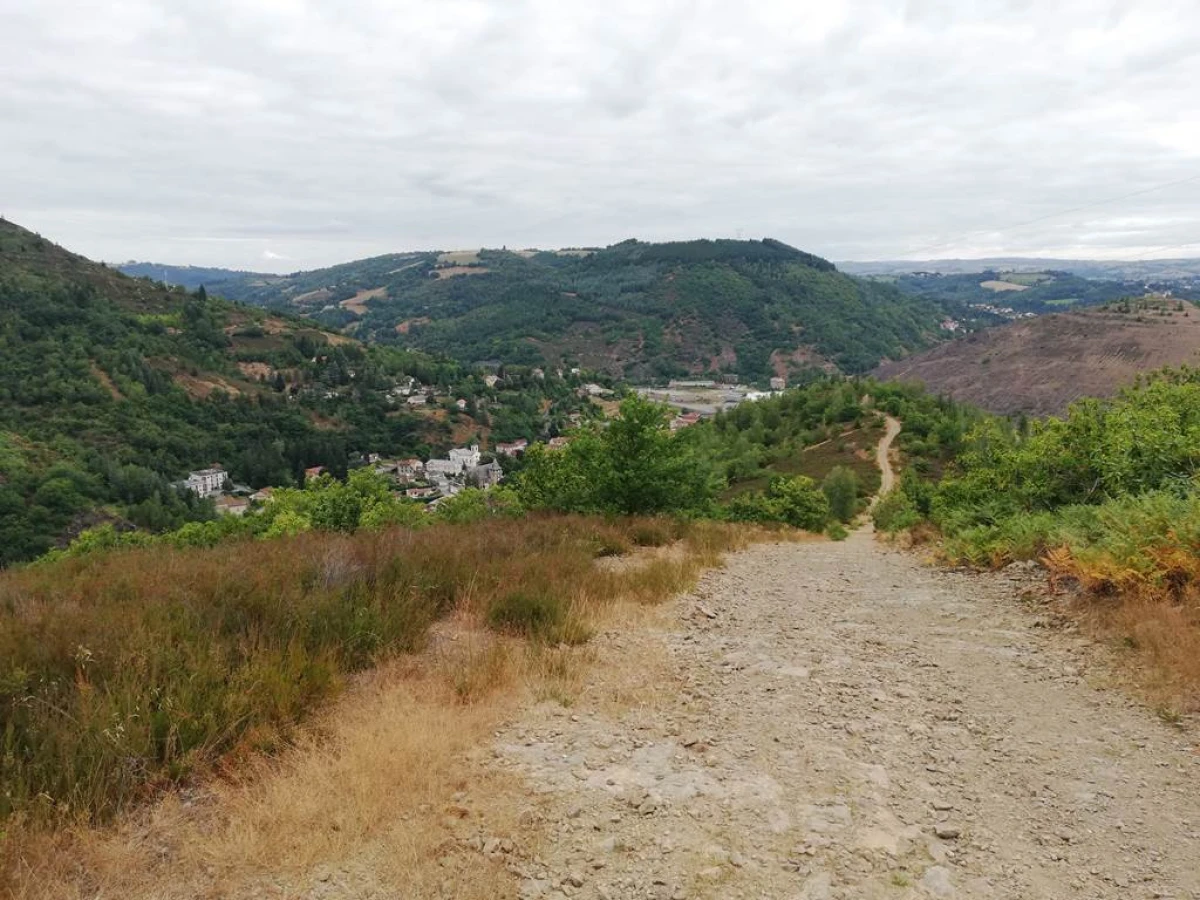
[(634, 466), (840, 488)]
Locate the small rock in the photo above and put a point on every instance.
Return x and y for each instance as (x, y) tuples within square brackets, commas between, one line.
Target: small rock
[(818, 886), (936, 881), (946, 831)]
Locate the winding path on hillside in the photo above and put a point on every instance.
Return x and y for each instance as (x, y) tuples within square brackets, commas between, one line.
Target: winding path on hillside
[(883, 456), (838, 721)]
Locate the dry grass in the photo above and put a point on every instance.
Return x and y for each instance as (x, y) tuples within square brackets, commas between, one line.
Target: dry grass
[(457, 271), (1153, 618), (1159, 644), (358, 303), (366, 799), (387, 790)]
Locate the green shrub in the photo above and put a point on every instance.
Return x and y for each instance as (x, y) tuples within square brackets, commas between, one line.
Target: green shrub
[(800, 502), (840, 488), (633, 466), (795, 501), (836, 531), (895, 512), (752, 507), (532, 613)]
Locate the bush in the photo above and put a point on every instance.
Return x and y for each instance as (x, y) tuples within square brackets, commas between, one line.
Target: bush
[(800, 503), (795, 501), (895, 512), (532, 613), (836, 531), (840, 488), (752, 507), (652, 532)]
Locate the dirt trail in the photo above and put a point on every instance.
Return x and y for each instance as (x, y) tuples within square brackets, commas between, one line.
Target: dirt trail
[(883, 460), (834, 720)]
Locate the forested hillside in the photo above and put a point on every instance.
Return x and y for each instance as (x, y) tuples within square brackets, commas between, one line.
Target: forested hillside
[(638, 310), (115, 387), (1031, 292)]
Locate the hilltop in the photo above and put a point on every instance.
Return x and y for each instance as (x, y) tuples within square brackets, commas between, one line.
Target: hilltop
[(1039, 366), (115, 387), (635, 310)]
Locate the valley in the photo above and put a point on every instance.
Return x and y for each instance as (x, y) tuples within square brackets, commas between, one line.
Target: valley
[(425, 618), (442, 456)]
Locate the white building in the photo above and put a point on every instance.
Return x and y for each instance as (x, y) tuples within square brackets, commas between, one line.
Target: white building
[(468, 458), (206, 482), (443, 468), (410, 469)]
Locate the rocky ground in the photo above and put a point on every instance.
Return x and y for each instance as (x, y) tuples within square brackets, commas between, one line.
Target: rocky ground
[(837, 720)]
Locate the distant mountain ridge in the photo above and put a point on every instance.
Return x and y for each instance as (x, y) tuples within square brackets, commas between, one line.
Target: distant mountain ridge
[(634, 309), (1116, 270), (190, 277)]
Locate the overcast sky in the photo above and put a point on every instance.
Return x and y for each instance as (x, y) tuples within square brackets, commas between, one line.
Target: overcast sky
[(286, 134)]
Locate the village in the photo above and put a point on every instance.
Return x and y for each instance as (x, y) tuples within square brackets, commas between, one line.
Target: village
[(432, 480), (425, 481)]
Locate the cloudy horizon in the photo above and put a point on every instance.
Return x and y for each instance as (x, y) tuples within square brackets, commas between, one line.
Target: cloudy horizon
[(279, 135)]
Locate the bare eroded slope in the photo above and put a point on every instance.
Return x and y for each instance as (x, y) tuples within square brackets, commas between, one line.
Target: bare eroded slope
[(1039, 366)]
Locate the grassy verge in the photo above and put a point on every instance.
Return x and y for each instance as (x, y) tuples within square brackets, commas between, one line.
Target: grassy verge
[(124, 672), (387, 785)]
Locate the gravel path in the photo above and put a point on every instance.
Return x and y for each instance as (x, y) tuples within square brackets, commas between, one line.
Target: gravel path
[(836, 720), (883, 460)]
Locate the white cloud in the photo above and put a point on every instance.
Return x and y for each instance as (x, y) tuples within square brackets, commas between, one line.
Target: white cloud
[(858, 129)]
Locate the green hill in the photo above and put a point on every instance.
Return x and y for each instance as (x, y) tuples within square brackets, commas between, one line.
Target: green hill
[(636, 310), (115, 387)]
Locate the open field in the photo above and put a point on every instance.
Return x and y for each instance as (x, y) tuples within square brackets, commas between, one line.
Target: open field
[(358, 303), (458, 270)]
